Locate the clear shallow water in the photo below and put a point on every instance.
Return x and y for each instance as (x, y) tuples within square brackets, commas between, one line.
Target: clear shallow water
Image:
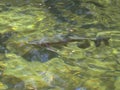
[(62, 67)]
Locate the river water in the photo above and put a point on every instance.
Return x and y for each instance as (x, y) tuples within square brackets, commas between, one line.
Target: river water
[(37, 51)]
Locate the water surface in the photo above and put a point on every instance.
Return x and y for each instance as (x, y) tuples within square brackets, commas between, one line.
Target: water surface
[(59, 67)]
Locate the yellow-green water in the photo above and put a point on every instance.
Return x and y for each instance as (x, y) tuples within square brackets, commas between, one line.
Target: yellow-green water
[(74, 68)]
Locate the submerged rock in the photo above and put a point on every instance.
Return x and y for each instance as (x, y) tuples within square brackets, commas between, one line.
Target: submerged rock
[(42, 55), (13, 83), (101, 39), (5, 36)]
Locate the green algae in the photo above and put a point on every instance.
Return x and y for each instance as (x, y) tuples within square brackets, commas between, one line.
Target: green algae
[(92, 68)]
